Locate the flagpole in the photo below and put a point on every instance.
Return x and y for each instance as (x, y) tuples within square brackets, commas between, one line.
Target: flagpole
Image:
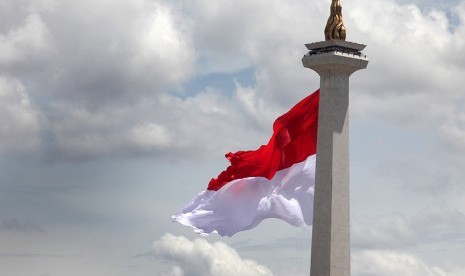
[(334, 60)]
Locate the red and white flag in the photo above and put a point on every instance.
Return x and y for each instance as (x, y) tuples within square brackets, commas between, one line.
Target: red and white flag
[(275, 181)]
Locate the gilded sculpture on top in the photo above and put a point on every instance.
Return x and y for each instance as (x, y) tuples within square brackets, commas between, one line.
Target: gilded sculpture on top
[(335, 27)]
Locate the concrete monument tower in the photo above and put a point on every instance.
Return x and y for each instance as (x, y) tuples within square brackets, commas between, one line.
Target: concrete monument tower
[(334, 60)]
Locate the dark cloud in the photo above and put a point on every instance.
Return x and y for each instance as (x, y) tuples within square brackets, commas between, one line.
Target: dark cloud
[(15, 225)]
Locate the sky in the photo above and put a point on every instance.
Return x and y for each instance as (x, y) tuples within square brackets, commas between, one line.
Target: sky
[(114, 114)]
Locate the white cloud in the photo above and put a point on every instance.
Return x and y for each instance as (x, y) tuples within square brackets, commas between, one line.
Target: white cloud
[(392, 231), (205, 259), (414, 77), (452, 133), (19, 121), (110, 91), (420, 172), (164, 46), (151, 135), (128, 56), (107, 56), (269, 36), (133, 78), (437, 221), (176, 271), (24, 42), (40, 6), (187, 126), (433, 223), (103, 62), (391, 263)]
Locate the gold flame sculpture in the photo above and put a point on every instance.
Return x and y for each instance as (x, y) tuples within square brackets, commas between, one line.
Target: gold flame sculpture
[(335, 27)]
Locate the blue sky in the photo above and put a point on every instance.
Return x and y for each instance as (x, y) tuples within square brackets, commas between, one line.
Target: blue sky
[(114, 114)]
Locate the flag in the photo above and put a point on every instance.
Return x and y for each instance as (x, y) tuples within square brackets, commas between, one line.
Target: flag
[(275, 181)]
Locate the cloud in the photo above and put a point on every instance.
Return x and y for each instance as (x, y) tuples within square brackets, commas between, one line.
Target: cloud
[(89, 70), (393, 231), (24, 42), (83, 80), (439, 222), (122, 52), (19, 120), (176, 271), (15, 225), (419, 172), (426, 74), (164, 46), (452, 133), (204, 259), (120, 76), (111, 69), (392, 263), (434, 223), (428, 4)]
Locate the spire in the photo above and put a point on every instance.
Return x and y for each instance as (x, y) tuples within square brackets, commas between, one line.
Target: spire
[(335, 27)]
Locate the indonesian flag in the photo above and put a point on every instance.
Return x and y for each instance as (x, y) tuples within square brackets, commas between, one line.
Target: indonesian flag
[(275, 181)]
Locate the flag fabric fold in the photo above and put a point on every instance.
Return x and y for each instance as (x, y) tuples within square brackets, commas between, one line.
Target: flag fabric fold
[(275, 181)]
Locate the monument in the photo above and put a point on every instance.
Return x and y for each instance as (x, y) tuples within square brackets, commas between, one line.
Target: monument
[(334, 60)]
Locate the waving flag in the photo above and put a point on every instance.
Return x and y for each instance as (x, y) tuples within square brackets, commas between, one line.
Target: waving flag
[(275, 181)]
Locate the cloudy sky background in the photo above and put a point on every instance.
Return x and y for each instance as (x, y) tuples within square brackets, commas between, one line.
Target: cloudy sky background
[(114, 114)]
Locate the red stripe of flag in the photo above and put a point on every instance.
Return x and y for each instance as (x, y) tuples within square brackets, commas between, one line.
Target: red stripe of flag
[(293, 140)]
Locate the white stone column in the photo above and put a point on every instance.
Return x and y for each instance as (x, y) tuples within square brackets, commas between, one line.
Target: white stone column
[(334, 61)]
